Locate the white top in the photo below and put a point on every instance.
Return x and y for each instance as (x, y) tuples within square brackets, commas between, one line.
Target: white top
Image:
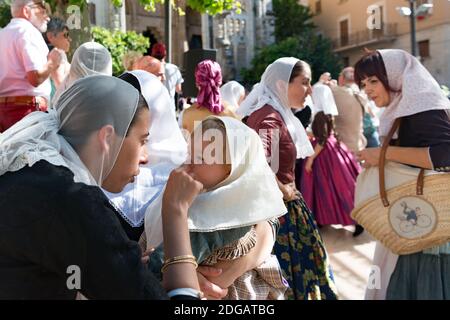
[(173, 78), (22, 49), (323, 99)]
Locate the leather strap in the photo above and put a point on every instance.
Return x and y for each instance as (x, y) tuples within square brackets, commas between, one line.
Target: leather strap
[(382, 162)]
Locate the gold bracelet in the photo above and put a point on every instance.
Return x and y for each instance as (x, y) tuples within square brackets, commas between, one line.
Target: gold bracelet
[(166, 265), (183, 257)]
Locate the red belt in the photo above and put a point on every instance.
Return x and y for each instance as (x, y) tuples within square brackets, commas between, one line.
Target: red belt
[(39, 102)]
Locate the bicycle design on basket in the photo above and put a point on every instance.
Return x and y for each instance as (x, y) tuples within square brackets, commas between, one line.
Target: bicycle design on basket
[(411, 218)]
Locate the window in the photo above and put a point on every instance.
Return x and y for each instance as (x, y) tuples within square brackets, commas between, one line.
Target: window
[(128, 8), (426, 12), (424, 48), (91, 8), (421, 2), (318, 6), (379, 31), (346, 61), (343, 27)]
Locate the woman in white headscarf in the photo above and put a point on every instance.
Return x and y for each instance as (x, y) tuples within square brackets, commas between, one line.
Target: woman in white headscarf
[(322, 96), (267, 109), (55, 218), (89, 59), (166, 149), (400, 84), (233, 93)]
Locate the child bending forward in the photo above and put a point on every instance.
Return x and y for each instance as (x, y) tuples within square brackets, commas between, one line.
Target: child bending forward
[(227, 157)]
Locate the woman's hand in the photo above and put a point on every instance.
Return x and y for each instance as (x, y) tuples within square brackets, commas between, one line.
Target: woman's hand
[(289, 191), (181, 190), (146, 255), (205, 276), (309, 164), (368, 157)]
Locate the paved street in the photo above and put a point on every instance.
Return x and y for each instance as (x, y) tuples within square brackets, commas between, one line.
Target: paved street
[(350, 259)]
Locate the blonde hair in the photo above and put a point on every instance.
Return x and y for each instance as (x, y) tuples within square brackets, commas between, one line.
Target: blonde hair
[(130, 58)]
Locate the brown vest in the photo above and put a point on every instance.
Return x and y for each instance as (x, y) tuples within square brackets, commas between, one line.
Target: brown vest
[(349, 122)]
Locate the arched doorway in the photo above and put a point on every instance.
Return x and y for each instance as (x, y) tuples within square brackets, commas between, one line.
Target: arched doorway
[(150, 34)]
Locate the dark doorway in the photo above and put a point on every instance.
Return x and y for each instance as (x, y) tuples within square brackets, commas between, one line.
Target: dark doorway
[(148, 34), (196, 42)]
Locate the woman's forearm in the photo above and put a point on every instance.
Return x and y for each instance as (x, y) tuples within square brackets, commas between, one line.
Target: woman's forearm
[(419, 157), (317, 150), (177, 243)]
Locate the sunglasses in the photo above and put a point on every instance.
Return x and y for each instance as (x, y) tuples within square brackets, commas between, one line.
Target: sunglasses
[(42, 5)]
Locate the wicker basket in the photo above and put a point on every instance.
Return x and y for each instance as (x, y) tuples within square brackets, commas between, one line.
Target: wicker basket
[(390, 225), (413, 214)]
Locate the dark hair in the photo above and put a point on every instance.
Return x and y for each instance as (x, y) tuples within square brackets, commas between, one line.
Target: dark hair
[(142, 104), (322, 127), (372, 64), (299, 67), (213, 124), (55, 26)]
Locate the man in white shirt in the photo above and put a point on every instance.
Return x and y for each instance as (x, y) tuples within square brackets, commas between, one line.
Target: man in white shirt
[(25, 62), (173, 78)]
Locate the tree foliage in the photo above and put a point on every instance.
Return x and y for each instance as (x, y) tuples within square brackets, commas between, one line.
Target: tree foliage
[(295, 37), (5, 13), (291, 19), (314, 49), (211, 7), (118, 43)]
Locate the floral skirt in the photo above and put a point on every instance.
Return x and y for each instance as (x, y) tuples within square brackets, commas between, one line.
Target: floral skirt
[(302, 255)]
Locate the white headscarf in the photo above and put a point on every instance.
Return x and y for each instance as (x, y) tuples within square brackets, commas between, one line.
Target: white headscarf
[(89, 59), (166, 149), (273, 90), (249, 195), (88, 105), (418, 90), (323, 99), (231, 93)]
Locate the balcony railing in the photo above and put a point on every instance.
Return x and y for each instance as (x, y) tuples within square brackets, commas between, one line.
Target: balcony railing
[(364, 37)]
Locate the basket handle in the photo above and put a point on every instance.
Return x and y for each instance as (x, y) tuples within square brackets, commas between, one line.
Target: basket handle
[(382, 162)]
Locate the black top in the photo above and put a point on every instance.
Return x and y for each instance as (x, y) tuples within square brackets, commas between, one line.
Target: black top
[(304, 115), (428, 129), (48, 223), (133, 233)]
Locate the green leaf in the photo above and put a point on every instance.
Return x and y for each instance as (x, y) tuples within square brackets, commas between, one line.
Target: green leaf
[(118, 43)]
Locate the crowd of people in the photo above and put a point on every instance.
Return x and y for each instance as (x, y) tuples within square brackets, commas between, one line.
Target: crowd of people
[(224, 199)]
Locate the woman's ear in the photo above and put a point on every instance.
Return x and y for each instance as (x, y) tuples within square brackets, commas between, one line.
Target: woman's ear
[(105, 137)]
